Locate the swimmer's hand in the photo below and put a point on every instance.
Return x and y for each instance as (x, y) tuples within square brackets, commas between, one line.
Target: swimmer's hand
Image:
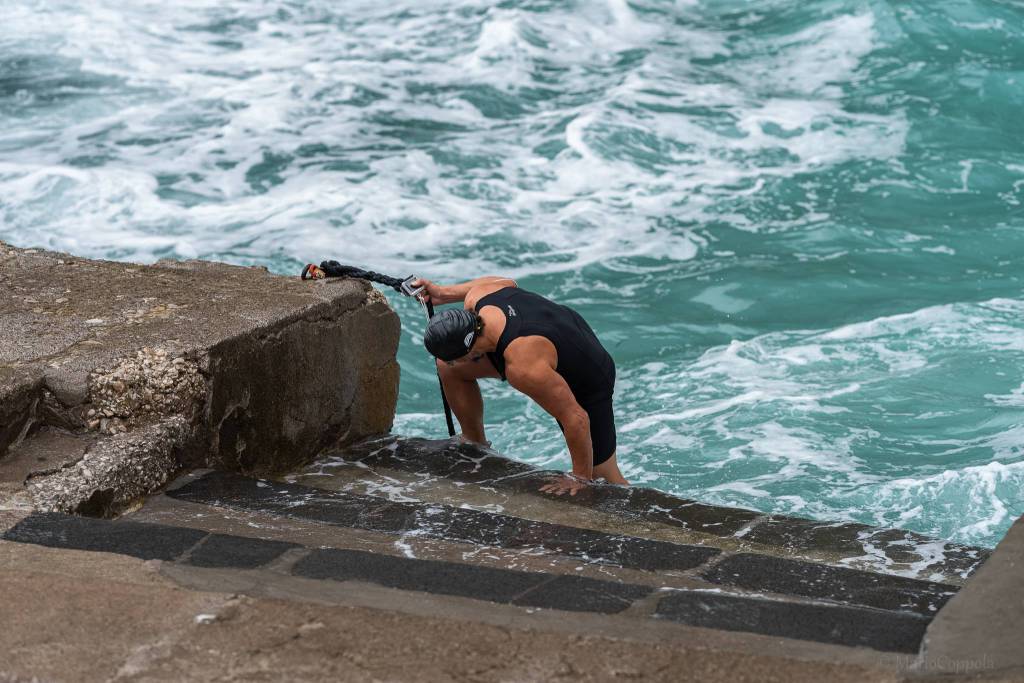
[(565, 483), (431, 291)]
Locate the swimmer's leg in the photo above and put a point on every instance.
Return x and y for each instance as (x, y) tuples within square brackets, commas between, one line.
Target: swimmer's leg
[(463, 394), (609, 471)]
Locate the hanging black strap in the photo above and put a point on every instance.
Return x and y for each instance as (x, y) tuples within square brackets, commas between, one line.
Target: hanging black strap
[(444, 399)]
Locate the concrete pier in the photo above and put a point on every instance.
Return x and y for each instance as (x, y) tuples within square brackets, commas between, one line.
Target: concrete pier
[(114, 377), (164, 515)]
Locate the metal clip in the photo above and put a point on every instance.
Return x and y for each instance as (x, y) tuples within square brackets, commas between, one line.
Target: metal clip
[(407, 287)]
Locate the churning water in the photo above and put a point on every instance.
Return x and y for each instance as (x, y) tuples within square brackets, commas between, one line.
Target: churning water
[(797, 225)]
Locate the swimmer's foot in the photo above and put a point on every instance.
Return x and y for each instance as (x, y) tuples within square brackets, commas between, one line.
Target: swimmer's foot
[(464, 439)]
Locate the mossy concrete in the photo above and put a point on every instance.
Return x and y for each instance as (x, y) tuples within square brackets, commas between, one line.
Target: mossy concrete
[(141, 371)]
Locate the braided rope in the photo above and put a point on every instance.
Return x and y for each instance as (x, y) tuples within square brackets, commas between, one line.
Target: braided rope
[(335, 269)]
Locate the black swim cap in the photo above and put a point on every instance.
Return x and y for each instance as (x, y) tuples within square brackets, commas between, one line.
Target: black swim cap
[(450, 334)]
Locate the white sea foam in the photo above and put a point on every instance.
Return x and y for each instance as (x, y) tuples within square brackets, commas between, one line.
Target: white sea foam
[(780, 414), (1015, 398), (973, 500), (835, 47), (216, 111)]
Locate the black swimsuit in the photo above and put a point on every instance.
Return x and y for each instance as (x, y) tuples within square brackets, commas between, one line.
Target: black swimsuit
[(582, 361)]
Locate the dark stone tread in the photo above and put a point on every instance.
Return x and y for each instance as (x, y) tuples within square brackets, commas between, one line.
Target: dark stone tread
[(807, 579), (854, 626), (853, 539), (838, 625), (240, 552), (570, 593), (145, 541), (431, 576), (466, 462), (807, 534), (583, 594), (439, 521)]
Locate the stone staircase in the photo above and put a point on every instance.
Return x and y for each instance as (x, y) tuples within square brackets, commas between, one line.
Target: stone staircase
[(476, 476), (461, 523)]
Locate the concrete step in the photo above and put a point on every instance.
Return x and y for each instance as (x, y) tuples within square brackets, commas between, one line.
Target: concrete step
[(192, 551), (470, 476), (456, 522), (444, 522), (674, 564)]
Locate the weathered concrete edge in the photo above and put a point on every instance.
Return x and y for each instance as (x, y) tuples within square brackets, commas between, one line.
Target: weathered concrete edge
[(979, 630), (115, 472), (24, 392), (270, 405), (304, 402), (123, 468)]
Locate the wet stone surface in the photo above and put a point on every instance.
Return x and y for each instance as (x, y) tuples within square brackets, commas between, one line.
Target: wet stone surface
[(853, 626), (792, 577), (807, 534), (438, 521), (376, 515), (883, 550), (897, 545), (441, 458), (469, 463)]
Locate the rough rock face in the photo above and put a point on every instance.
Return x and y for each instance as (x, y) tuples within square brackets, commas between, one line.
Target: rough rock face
[(151, 384), (114, 472), (180, 364)]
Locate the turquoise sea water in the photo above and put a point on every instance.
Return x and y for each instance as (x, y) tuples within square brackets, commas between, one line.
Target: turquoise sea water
[(796, 225)]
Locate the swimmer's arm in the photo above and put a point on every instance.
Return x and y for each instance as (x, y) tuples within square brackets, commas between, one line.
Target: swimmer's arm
[(450, 294), (537, 379)]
